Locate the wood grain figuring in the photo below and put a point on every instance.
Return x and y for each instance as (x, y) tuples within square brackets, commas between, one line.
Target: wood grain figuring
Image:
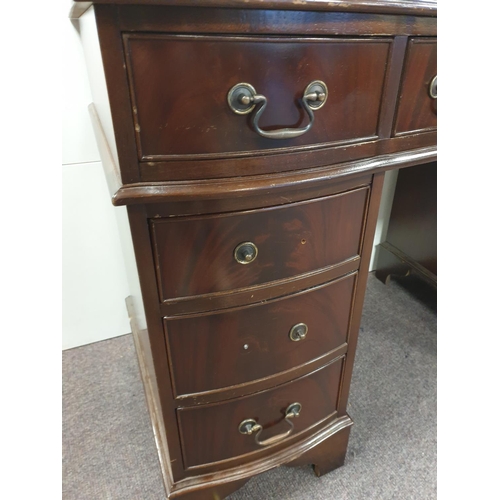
[(253, 342), (195, 255), (417, 110), (197, 181), (209, 433), (259, 293), (183, 113)]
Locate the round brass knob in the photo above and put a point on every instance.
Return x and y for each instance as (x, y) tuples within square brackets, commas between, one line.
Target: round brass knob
[(245, 252), (298, 332)]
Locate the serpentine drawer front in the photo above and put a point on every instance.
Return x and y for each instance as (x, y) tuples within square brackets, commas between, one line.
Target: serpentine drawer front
[(182, 107), (258, 341), (210, 433), (417, 109), (207, 254), (249, 141)]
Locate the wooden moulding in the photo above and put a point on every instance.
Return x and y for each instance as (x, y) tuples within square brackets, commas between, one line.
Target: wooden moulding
[(259, 21), (414, 7), (284, 161), (230, 479), (227, 189), (282, 183), (365, 18), (283, 457), (258, 293)]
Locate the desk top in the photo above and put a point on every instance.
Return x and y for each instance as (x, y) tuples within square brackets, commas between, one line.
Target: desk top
[(412, 7)]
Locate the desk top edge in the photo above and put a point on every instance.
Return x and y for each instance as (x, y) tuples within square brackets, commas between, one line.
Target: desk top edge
[(403, 7)]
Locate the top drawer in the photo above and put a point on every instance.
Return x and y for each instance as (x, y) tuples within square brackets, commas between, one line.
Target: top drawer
[(417, 110), (180, 85)]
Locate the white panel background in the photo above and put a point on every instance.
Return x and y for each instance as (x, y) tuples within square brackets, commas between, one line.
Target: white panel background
[(94, 279)]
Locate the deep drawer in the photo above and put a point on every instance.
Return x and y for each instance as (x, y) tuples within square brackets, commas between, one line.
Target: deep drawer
[(209, 352), (198, 255), (181, 107), (417, 110), (210, 433)]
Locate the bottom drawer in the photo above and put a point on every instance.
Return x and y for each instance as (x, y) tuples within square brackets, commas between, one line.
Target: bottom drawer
[(210, 433)]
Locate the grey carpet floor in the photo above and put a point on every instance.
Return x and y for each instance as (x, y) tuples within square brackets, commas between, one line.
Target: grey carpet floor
[(109, 451)]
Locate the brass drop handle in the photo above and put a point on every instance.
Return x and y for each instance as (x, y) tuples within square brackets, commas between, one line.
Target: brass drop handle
[(243, 99), (433, 88), (250, 426), (246, 252)]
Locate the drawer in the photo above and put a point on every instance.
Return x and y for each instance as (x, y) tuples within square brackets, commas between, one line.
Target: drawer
[(256, 341), (210, 433), (198, 255), (417, 110), (180, 85)]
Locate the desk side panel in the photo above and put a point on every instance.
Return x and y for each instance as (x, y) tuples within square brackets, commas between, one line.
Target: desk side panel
[(97, 80)]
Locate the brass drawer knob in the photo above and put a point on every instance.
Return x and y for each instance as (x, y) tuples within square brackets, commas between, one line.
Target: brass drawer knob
[(243, 98), (245, 252), (250, 426), (298, 332), (433, 88)]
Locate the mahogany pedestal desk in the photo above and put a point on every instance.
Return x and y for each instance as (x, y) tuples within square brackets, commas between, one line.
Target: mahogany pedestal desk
[(248, 141)]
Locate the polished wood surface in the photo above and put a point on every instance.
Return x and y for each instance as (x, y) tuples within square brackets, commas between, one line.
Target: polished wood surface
[(197, 181), (417, 111), (183, 113), (356, 155), (263, 22), (196, 255), (113, 58), (177, 21), (253, 342), (259, 293), (209, 433), (415, 7), (326, 456), (411, 241)]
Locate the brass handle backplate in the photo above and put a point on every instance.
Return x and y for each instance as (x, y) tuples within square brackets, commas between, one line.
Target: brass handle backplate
[(433, 88), (246, 252), (250, 426), (298, 332), (243, 99)]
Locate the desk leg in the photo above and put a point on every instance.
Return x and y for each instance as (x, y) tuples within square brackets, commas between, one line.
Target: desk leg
[(328, 455)]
